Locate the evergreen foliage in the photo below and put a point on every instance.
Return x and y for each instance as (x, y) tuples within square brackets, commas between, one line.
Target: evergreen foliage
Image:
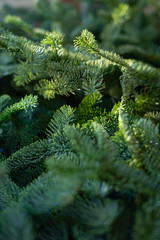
[(84, 164)]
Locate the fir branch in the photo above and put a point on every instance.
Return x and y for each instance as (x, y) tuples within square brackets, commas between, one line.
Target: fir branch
[(86, 42), (28, 102), (59, 143), (54, 40), (148, 134), (12, 43), (28, 163), (64, 116), (93, 80), (131, 140), (102, 164), (88, 108)]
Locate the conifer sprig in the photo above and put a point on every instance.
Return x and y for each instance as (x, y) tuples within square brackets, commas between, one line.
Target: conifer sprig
[(28, 102), (87, 43)]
